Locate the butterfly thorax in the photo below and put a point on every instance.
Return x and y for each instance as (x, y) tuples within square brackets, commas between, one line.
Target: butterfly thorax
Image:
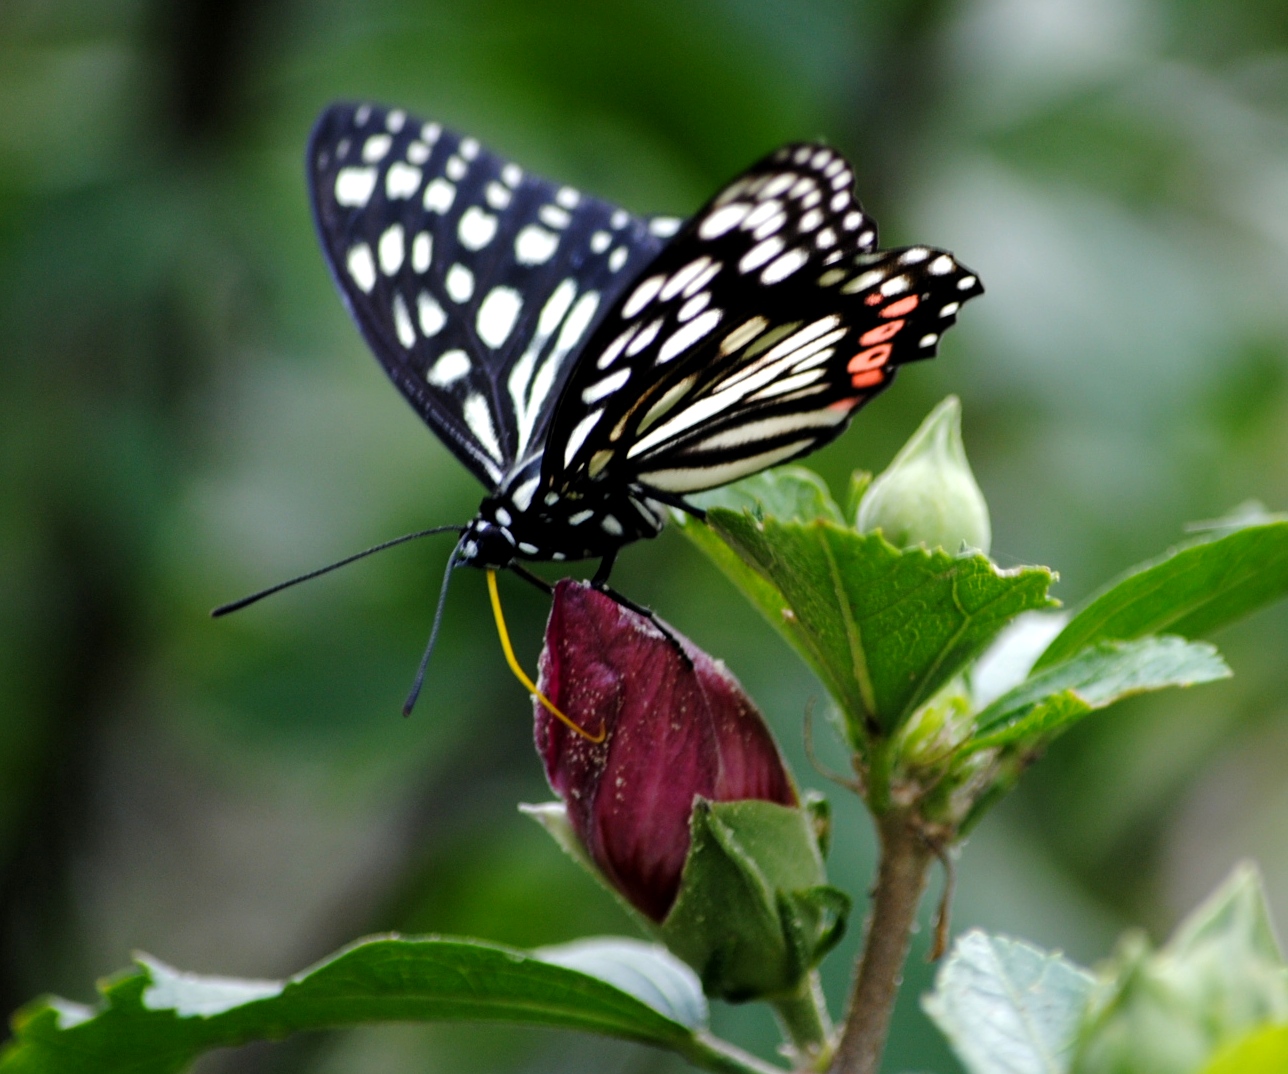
[(545, 525)]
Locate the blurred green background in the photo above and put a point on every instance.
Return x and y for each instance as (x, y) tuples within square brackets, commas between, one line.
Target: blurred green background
[(188, 414)]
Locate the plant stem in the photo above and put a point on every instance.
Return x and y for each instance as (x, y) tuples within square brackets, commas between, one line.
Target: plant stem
[(901, 878), (807, 1024), (721, 1057)]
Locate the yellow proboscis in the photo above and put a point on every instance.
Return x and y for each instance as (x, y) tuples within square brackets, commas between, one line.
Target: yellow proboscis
[(521, 675)]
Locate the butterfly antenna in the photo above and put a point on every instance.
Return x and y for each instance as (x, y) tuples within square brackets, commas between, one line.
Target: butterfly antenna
[(237, 605), (522, 676), (419, 681)]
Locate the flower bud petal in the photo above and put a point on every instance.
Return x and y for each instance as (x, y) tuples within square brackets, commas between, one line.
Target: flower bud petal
[(928, 495), (674, 730)]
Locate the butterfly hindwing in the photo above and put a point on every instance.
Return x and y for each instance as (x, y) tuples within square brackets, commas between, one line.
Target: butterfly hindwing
[(474, 282), (752, 338)]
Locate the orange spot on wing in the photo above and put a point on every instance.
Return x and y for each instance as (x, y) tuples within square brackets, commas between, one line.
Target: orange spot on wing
[(880, 333), (842, 404), (867, 365), (904, 305), (873, 299), (872, 358)]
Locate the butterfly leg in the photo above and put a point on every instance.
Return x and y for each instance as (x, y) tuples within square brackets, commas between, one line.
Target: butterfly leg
[(532, 579), (600, 582)]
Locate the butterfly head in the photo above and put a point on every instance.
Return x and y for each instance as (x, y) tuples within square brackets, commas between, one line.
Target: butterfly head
[(487, 542)]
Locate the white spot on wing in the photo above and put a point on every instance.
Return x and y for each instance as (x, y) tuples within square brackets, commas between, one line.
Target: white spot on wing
[(395, 120), (665, 226), (578, 321), (940, 266), (681, 279), (497, 314), (455, 168), (784, 266), (605, 387), (449, 368), (402, 180), (723, 219), (614, 349), (402, 322), (418, 152), (617, 258), (535, 245), (476, 228), (966, 283), (459, 283), (422, 251), (694, 306), (646, 336), (642, 296), (610, 525), (375, 148), (554, 216), (511, 174), (578, 436), (362, 267), (430, 313), (521, 497), (600, 241), (390, 249), (764, 212), (479, 418), (353, 186), (439, 196), (497, 196), (685, 337), (760, 253)]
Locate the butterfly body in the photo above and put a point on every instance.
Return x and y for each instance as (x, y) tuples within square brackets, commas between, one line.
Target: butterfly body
[(592, 367)]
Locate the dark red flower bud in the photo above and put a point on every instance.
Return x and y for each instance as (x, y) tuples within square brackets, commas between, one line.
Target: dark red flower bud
[(673, 731)]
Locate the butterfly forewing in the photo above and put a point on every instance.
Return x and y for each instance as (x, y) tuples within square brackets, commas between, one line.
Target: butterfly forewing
[(475, 283), (752, 338)]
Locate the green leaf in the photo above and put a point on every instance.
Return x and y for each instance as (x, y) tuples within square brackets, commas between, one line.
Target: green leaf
[(1048, 702), (1190, 592), (1007, 1007), (1170, 1011), (783, 493), (1263, 1051), (882, 628), (155, 1020)]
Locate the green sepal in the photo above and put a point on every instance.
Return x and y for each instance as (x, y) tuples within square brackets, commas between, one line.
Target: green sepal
[(754, 913), (859, 482)]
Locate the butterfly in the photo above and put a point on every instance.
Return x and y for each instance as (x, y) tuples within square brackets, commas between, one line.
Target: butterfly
[(592, 367)]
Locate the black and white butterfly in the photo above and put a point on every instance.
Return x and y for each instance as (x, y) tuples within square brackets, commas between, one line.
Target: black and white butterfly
[(592, 367)]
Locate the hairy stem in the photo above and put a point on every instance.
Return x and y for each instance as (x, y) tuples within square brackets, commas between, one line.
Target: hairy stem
[(901, 877), (808, 1026)]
